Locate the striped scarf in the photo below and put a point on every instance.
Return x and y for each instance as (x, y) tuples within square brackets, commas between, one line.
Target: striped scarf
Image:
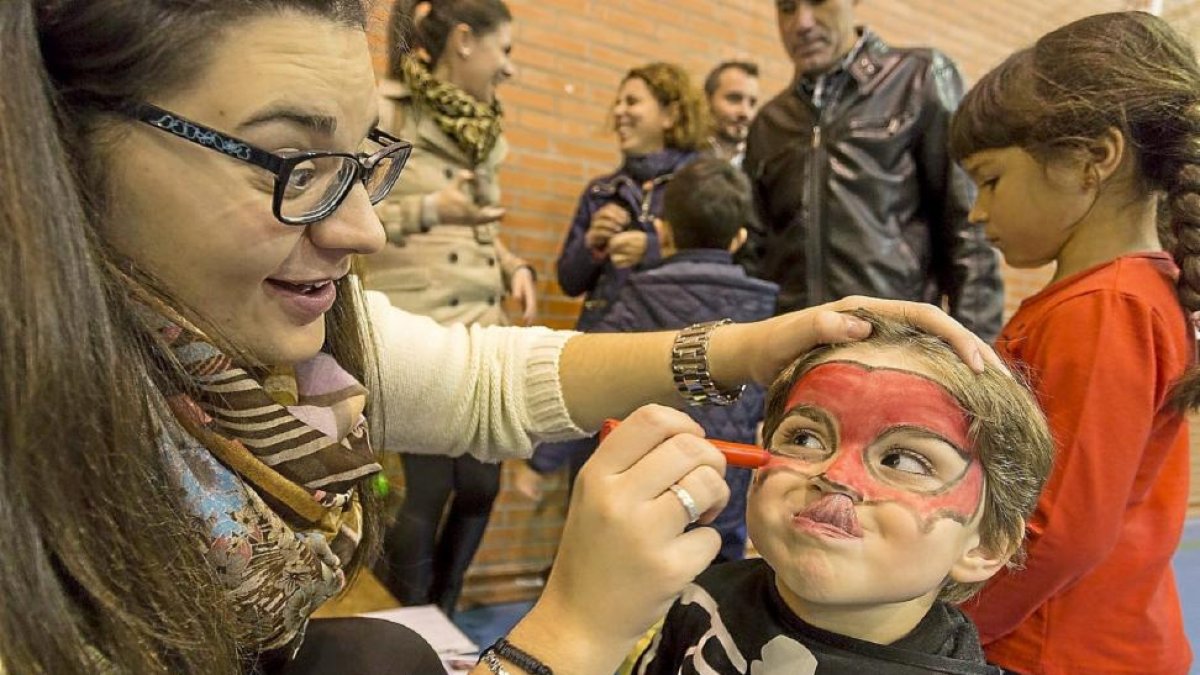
[(297, 435)]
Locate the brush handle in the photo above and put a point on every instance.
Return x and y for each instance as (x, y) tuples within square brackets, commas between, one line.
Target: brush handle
[(736, 454)]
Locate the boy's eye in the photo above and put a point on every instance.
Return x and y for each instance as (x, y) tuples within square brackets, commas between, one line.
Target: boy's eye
[(907, 461), (799, 441), (807, 439)]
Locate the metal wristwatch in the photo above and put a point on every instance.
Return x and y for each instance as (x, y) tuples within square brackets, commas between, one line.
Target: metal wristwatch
[(689, 366)]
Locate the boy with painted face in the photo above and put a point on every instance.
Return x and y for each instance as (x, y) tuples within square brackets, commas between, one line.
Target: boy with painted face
[(899, 482)]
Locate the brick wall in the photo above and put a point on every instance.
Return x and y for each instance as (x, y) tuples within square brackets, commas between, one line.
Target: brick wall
[(571, 55)]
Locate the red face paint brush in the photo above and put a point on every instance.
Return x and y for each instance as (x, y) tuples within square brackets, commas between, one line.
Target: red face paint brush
[(736, 454)]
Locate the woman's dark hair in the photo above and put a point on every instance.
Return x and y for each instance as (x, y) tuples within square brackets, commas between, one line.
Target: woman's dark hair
[(1126, 70), (103, 564), (706, 203), (671, 86), (426, 29)]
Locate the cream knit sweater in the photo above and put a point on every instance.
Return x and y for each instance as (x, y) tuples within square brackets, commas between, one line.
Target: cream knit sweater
[(492, 392)]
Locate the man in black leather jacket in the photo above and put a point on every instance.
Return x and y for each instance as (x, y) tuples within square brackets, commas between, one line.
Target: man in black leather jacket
[(855, 188)]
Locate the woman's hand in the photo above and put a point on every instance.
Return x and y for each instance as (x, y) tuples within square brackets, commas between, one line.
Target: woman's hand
[(626, 249), (607, 221), (524, 291), (456, 207), (759, 351), (624, 555), (527, 482)]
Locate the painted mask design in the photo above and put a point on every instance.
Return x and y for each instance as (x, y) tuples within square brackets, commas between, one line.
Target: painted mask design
[(871, 435)]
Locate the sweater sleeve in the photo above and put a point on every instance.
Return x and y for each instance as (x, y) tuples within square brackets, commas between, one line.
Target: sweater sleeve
[(402, 215), (578, 268), (491, 392), (1092, 359)]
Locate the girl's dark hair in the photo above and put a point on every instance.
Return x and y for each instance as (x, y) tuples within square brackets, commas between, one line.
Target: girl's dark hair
[(103, 563), (670, 85), (1125, 70), (408, 33)]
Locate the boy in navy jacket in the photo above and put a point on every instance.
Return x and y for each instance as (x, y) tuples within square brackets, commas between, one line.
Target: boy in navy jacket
[(706, 209)]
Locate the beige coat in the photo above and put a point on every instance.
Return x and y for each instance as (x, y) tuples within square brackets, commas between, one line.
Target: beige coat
[(452, 273)]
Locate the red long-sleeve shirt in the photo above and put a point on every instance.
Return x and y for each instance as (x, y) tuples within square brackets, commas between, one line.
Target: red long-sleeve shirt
[(1097, 594)]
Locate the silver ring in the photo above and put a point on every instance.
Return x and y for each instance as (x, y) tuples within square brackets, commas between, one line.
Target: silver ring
[(689, 504)]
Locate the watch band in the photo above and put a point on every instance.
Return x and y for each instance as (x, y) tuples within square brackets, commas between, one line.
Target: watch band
[(689, 366)]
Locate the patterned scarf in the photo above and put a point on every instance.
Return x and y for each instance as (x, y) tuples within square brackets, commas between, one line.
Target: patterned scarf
[(297, 434), (474, 126)]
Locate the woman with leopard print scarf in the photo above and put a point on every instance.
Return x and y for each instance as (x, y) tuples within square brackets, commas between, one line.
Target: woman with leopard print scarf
[(445, 258)]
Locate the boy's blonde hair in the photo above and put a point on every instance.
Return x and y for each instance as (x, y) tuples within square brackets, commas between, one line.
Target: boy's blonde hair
[(1007, 427)]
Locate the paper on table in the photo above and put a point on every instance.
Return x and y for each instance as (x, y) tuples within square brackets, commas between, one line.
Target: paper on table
[(429, 622)]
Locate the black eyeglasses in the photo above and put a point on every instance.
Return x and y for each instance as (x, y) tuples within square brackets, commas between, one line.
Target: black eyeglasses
[(309, 184)]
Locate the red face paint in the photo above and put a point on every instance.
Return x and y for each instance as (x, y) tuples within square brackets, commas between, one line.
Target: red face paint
[(863, 404)]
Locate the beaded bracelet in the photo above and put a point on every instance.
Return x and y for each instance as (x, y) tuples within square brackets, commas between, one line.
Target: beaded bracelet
[(515, 656)]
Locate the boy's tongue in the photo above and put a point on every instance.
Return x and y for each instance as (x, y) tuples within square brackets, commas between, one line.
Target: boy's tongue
[(835, 510)]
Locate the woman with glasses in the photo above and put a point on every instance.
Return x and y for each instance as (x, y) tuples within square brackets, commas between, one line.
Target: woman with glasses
[(445, 259), (186, 362)]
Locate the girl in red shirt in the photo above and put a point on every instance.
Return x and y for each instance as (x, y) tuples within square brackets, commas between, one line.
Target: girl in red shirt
[(1086, 149)]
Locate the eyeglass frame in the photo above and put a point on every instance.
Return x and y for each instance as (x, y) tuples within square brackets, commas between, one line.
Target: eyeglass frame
[(280, 165)]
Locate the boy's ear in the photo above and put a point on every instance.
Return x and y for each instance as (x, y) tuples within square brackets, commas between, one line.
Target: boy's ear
[(666, 236), (739, 240), (979, 563)]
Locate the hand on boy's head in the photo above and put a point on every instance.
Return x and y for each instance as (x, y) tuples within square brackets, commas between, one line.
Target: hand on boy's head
[(759, 351), (970, 348)]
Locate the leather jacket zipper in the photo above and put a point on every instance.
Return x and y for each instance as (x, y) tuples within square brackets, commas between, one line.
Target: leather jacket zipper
[(815, 225), (814, 262)]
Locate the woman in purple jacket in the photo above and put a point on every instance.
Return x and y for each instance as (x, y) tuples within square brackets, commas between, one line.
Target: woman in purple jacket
[(660, 121)]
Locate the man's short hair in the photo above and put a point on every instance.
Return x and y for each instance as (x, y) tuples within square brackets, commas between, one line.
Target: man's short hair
[(706, 203), (714, 76)]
